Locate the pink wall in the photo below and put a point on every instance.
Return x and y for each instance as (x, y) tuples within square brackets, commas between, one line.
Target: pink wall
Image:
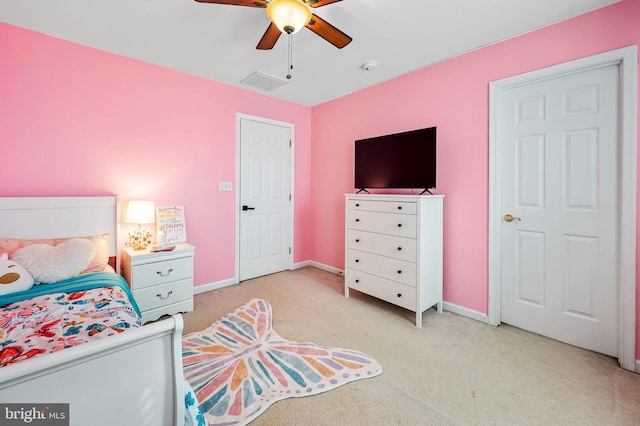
[(79, 121), (454, 96)]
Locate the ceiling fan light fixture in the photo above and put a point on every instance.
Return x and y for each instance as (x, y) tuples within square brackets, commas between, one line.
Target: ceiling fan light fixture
[(290, 16)]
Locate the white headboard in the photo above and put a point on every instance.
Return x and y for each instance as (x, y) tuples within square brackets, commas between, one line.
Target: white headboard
[(60, 217)]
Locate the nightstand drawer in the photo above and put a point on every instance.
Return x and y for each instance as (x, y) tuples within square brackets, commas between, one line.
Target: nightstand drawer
[(162, 272), (163, 295)]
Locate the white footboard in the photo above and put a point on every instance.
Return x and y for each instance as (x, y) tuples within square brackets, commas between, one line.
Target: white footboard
[(134, 378)]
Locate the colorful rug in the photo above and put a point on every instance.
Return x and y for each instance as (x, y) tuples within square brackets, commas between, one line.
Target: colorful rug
[(239, 366)]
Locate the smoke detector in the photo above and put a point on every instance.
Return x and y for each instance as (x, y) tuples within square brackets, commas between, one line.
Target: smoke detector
[(370, 65)]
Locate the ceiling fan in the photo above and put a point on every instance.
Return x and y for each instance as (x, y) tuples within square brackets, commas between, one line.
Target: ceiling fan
[(289, 16)]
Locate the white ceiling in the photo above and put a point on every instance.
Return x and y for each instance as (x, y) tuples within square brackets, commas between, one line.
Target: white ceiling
[(217, 42)]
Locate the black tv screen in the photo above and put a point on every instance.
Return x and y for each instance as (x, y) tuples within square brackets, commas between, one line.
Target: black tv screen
[(400, 160)]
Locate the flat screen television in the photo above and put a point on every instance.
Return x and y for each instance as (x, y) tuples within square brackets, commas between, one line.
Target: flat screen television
[(400, 160)]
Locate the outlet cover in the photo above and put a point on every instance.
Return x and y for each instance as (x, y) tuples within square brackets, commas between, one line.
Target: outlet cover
[(226, 186)]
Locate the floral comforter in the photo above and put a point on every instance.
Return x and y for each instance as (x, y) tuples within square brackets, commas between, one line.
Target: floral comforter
[(52, 317)]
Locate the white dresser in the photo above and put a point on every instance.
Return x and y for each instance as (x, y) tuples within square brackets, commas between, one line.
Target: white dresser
[(162, 282), (393, 249)]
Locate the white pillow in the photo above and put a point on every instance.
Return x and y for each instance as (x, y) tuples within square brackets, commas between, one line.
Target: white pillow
[(49, 264)]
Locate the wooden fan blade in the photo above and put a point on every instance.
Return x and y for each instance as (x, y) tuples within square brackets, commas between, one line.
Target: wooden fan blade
[(320, 3), (269, 38), (328, 32), (248, 3)]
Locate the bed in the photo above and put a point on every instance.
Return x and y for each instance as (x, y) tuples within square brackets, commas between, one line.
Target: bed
[(133, 375)]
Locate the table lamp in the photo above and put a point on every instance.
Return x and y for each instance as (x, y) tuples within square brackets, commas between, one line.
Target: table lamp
[(139, 212)]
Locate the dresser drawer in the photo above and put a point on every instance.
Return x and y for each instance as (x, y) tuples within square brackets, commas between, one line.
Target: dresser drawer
[(386, 267), (166, 271), (383, 206), (403, 225), (385, 245), (164, 294), (391, 291)]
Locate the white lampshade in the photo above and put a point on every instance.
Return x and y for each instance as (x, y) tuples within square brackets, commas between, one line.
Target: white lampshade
[(290, 16), (139, 212)]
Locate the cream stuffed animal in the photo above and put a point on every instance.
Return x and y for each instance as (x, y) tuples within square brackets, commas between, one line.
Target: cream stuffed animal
[(13, 277)]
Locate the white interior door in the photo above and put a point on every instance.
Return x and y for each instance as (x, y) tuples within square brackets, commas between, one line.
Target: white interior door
[(266, 218), (559, 177)]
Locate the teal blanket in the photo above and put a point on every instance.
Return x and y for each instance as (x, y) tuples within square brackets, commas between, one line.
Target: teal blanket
[(79, 283)]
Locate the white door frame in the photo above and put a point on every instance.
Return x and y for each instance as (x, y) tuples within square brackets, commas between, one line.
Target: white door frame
[(239, 117), (627, 59)]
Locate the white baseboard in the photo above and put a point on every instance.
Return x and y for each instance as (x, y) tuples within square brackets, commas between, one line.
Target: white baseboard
[(638, 366), (214, 286), (232, 281), (319, 265), (456, 309), (451, 307), (301, 264), (465, 312)]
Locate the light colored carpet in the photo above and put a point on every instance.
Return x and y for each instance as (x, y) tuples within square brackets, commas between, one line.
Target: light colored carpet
[(239, 366), (453, 371)]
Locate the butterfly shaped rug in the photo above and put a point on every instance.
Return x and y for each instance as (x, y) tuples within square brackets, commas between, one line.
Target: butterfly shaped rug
[(239, 366)]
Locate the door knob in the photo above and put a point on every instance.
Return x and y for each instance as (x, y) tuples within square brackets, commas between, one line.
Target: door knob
[(510, 218)]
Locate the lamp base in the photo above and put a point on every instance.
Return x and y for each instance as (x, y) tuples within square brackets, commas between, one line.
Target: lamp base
[(139, 239)]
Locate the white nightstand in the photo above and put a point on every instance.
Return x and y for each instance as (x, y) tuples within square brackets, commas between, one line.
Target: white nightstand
[(162, 282)]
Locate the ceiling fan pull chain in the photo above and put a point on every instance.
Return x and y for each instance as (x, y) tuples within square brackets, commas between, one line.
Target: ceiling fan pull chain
[(290, 65)]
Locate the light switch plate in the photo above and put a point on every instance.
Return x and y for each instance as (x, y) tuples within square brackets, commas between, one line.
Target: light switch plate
[(226, 186)]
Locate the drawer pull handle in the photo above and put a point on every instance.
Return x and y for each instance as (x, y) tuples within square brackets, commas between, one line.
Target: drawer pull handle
[(357, 240), (357, 220), (357, 281), (399, 294), (169, 271), (357, 204), (399, 271), (166, 297), (399, 225), (399, 248), (357, 260), (399, 207)]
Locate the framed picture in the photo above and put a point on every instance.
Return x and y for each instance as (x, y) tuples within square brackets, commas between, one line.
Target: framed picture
[(170, 225)]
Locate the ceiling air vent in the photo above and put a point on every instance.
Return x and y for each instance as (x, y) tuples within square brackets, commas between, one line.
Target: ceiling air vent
[(265, 82)]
